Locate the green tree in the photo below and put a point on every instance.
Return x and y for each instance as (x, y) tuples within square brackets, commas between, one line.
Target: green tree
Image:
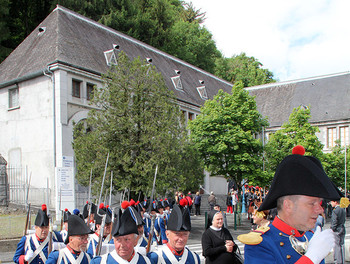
[(334, 165), (138, 124), (243, 68), (225, 135), (4, 30), (297, 131)]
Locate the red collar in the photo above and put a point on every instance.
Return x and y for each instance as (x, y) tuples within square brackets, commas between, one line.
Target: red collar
[(72, 250), (133, 254), (285, 228), (40, 240), (176, 253)]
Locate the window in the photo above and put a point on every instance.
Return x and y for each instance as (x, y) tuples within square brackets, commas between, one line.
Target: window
[(110, 57), (202, 92), (89, 90), (190, 116), (344, 135), (76, 88), (331, 137), (13, 97), (177, 83)]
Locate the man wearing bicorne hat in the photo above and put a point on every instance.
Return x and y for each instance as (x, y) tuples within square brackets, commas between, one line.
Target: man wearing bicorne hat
[(64, 231), (125, 236), (297, 190), (77, 239), (94, 238), (34, 248), (91, 208), (178, 231)]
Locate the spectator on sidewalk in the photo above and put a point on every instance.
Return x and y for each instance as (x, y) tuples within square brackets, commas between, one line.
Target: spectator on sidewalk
[(197, 204), (229, 203), (211, 200), (338, 227)]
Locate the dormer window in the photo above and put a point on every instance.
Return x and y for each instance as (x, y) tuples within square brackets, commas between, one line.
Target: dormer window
[(177, 83), (202, 92), (110, 57)]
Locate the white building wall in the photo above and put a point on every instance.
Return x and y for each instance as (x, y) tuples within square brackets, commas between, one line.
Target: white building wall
[(26, 132)]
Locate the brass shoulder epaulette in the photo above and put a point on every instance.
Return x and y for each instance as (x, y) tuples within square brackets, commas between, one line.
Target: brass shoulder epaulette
[(253, 237)]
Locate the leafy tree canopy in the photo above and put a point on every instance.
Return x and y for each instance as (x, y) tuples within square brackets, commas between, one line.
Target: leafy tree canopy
[(138, 124), (225, 135), (334, 165), (243, 68), (297, 131)]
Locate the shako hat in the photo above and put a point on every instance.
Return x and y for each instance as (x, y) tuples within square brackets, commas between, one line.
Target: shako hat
[(125, 223), (77, 226), (300, 175), (66, 213), (41, 218), (179, 219), (86, 209)]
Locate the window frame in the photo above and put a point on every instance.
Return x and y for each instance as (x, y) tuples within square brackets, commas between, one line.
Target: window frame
[(10, 97), (73, 88)]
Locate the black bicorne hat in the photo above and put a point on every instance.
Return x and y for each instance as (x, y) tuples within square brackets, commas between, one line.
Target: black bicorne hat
[(138, 218), (300, 175), (125, 223), (41, 218), (77, 226), (98, 218), (160, 205), (154, 207), (86, 209), (179, 219), (66, 213)]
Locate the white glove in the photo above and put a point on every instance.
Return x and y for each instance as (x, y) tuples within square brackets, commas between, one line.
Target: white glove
[(320, 245), (29, 255), (58, 246)]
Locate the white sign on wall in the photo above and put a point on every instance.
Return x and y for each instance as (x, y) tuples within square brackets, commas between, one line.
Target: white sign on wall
[(65, 191), (67, 161)]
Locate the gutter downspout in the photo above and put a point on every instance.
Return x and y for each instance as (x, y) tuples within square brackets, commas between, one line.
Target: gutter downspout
[(51, 75)]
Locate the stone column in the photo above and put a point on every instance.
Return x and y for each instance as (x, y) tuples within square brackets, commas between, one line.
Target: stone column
[(4, 186)]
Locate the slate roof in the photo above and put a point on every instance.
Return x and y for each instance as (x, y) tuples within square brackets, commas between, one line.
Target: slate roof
[(75, 40), (328, 97)]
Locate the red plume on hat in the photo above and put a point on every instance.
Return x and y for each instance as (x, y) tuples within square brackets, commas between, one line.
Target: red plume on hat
[(101, 206), (183, 202), (44, 207), (125, 204), (300, 150), (132, 202), (66, 209)]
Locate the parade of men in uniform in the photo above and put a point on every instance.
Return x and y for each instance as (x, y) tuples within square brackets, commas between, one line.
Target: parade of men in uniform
[(299, 185)]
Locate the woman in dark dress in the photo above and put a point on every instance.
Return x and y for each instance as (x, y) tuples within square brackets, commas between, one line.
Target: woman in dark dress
[(217, 243)]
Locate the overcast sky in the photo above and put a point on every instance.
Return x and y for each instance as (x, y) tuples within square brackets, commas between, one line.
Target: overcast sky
[(292, 38)]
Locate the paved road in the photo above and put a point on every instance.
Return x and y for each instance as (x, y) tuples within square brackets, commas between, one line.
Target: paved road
[(194, 242)]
